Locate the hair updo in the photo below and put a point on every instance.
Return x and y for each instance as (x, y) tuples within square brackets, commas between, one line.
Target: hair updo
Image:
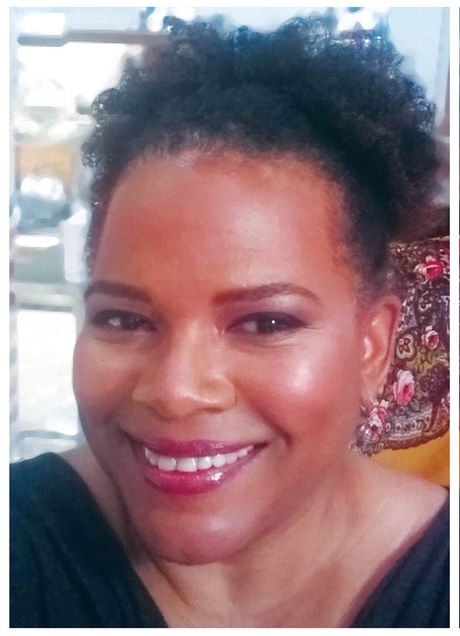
[(342, 102)]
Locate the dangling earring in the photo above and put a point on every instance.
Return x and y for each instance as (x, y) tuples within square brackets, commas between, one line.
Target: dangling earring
[(370, 431)]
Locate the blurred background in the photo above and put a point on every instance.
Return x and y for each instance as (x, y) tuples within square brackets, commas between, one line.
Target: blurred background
[(60, 59)]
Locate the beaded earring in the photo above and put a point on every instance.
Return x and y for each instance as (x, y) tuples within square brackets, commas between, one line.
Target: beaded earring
[(370, 432)]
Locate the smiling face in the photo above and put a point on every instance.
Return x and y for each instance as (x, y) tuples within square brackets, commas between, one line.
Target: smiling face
[(220, 322)]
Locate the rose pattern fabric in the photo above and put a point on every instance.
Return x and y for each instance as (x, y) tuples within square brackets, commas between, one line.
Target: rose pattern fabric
[(403, 387), (416, 393)]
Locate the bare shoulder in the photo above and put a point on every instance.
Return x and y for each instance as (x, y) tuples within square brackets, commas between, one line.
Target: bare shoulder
[(406, 484), (412, 501), (397, 509)]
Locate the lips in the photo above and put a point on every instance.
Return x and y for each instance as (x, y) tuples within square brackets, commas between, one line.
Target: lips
[(192, 467), (191, 464)]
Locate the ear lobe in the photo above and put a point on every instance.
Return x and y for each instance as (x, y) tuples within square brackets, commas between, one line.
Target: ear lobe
[(380, 325)]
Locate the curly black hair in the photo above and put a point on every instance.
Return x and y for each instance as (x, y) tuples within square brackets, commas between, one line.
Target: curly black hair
[(340, 101)]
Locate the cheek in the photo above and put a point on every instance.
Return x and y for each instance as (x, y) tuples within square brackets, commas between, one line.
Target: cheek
[(101, 378), (308, 393)]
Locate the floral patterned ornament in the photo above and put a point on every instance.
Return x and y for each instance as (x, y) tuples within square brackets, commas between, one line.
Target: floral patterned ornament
[(414, 405)]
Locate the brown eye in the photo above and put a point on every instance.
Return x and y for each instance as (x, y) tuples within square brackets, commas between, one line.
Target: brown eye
[(122, 321), (267, 324)]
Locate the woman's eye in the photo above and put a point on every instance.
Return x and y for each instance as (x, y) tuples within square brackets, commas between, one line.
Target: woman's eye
[(121, 321), (267, 324)]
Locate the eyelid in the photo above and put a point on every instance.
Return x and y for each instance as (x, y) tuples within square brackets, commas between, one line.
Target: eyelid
[(291, 323), (100, 319)]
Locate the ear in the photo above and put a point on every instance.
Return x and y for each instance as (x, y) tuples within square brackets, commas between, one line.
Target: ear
[(379, 328)]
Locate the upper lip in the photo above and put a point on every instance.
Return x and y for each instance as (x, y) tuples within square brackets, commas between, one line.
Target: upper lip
[(191, 448)]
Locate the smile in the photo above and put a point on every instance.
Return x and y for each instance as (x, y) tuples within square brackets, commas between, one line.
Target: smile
[(194, 467), (194, 464)]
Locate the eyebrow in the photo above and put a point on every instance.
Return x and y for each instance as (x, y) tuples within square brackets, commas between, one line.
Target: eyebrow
[(248, 294), (260, 292), (116, 289)]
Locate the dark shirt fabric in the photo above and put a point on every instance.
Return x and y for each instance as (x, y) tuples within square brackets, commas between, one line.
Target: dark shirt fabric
[(68, 568)]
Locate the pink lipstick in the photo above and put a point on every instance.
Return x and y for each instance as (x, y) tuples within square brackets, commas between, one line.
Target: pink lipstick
[(195, 466)]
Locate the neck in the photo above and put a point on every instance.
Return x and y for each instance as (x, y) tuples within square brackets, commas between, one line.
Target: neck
[(302, 555), (325, 549)]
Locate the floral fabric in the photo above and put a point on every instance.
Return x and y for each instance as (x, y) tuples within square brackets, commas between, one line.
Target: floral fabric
[(414, 406)]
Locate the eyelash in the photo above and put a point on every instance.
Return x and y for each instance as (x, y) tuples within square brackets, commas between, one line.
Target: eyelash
[(127, 320), (270, 324), (266, 324)]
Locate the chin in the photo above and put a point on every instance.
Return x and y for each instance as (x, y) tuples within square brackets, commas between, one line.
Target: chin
[(197, 544)]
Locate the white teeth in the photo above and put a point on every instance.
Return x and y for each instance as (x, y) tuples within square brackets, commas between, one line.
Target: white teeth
[(193, 464), (218, 460), (166, 463), (151, 456), (244, 451), (186, 465), (204, 462)]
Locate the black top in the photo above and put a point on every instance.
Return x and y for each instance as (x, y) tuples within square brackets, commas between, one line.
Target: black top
[(68, 568)]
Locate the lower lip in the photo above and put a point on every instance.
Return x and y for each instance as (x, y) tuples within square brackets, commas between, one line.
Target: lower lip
[(201, 481)]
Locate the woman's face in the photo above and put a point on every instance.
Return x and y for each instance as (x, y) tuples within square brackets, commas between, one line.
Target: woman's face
[(221, 329)]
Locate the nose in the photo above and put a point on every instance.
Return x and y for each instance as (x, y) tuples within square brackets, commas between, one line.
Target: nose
[(185, 376)]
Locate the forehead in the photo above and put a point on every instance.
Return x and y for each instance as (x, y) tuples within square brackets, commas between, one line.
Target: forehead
[(226, 211)]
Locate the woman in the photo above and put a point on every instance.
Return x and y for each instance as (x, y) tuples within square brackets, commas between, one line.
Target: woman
[(238, 327)]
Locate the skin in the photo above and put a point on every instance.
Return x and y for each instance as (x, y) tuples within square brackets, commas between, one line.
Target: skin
[(199, 365)]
